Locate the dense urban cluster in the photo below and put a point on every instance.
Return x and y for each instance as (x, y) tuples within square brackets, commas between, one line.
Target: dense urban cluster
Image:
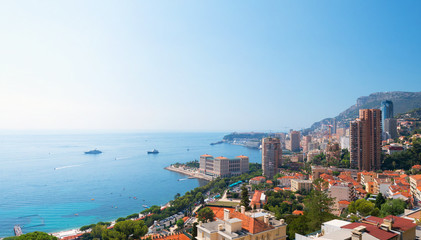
[(357, 181)]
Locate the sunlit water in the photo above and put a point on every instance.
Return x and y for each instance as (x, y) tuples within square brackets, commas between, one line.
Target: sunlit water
[(48, 184)]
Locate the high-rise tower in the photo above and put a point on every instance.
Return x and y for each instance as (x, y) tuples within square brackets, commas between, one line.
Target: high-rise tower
[(295, 141), (271, 156), (365, 140), (387, 111)]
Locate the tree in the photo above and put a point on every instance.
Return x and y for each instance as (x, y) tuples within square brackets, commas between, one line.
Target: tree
[(318, 205), (393, 207), (33, 236), (205, 214), (379, 201), (363, 207), (194, 231), (180, 223), (245, 201), (136, 229)]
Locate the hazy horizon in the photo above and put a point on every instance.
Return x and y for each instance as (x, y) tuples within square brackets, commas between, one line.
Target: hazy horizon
[(187, 66)]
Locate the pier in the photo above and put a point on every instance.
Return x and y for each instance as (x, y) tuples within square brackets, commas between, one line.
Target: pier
[(18, 230), (191, 174)]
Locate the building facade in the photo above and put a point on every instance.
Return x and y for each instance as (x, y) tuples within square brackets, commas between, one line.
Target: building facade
[(299, 185), (390, 128), (243, 226), (222, 166), (365, 140), (295, 141), (271, 156), (387, 111)]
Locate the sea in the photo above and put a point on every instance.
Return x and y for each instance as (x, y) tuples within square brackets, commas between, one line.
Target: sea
[(48, 184)]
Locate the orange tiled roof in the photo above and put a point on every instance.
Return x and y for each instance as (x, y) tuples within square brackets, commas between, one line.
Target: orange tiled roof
[(219, 211), (277, 189), (176, 236), (415, 177), (298, 212), (206, 155), (72, 237), (256, 197), (344, 202), (221, 157), (250, 224), (416, 166)]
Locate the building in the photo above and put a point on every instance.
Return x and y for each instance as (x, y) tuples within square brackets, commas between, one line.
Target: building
[(222, 166), (258, 199), (243, 226), (370, 228), (365, 140), (307, 141), (415, 187), (341, 192), (295, 141), (390, 129), (344, 140), (271, 156), (299, 185), (257, 180), (387, 111)]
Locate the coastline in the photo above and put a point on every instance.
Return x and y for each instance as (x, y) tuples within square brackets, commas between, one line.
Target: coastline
[(75, 232), (189, 172)]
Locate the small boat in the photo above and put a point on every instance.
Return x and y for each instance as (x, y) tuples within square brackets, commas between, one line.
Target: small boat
[(92, 199), (93, 152), (76, 214), (153, 152), (145, 206)]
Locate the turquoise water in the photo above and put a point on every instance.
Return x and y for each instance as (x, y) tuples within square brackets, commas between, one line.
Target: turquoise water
[(46, 179)]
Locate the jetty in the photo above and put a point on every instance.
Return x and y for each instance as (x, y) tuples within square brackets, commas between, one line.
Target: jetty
[(18, 230), (189, 172)]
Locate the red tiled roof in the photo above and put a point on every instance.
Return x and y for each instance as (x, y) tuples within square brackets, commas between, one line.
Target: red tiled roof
[(372, 230), (402, 224)]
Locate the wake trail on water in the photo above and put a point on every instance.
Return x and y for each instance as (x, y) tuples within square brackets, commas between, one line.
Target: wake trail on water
[(70, 166)]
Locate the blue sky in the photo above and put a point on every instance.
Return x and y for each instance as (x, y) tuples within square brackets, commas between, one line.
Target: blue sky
[(200, 65)]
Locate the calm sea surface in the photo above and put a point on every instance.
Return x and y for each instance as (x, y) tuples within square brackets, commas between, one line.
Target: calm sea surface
[(45, 180)]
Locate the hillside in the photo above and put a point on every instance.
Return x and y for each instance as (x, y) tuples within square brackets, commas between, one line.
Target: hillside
[(402, 102)]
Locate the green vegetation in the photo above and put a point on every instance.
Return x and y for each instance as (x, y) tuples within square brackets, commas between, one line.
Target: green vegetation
[(318, 210), (380, 207), (393, 207), (33, 236), (245, 201), (205, 214), (221, 203), (196, 196), (191, 164), (283, 202), (122, 230), (180, 223), (251, 135), (363, 207), (405, 159), (344, 161)]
